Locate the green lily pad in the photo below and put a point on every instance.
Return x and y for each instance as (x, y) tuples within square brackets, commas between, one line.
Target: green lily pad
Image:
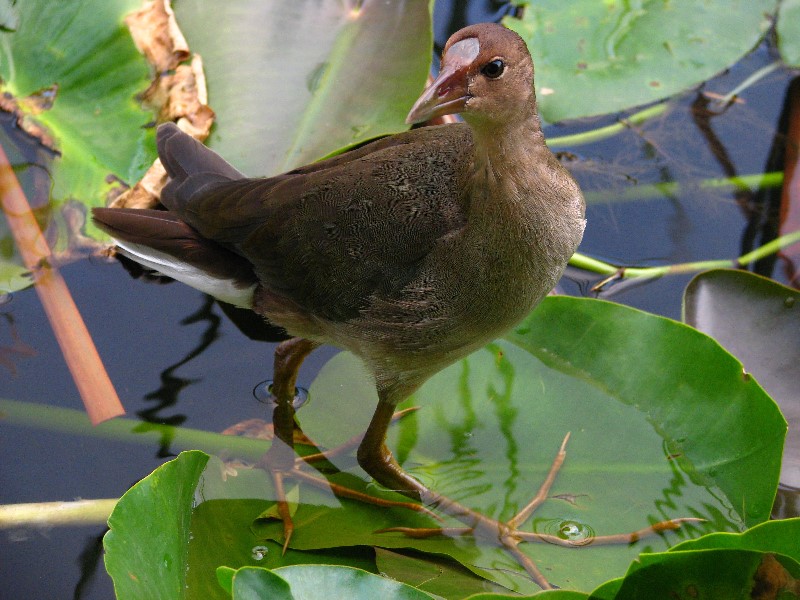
[(75, 73), (308, 582), (758, 320), (721, 565), (254, 583), (788, 30), (729, 574), (632, 53), (437, 575), (86, 51), (148, 539), (779, 537), (291, 82), (650, 439), (661, 434), (170, 532)]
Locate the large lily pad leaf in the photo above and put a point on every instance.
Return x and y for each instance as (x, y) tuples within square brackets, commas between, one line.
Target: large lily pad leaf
[(729, 574), (672, 432), (171, 531), (779, 537), (653, 434), (788, 30), (758, 320), (72, 73), (293, 81), (148, 542), (75, 70), (632, 53)]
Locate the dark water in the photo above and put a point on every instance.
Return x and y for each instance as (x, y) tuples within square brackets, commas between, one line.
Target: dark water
[(176, 358)]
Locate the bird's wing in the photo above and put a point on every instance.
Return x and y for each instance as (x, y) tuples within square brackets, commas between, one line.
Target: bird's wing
[(331, 236)]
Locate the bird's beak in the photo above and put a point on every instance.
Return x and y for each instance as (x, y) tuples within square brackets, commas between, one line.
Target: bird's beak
[(449, 93)]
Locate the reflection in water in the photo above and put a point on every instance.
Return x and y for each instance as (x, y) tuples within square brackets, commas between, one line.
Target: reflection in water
[(787, 503), (506, 414), (166, 396), (10, 353), (763, 207), (89, 561), (466, 469), (465, 465), (674, 503)]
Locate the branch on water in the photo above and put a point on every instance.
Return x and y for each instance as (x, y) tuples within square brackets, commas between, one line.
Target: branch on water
[(602, 133), (743, 183), (615, 272), (52, 514), (96, 390)]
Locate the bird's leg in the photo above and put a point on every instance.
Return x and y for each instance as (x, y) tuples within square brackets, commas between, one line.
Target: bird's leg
[(280, 460), (377, 460), (289, 355)]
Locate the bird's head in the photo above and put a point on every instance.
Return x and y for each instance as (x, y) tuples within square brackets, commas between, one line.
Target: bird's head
[(486, 76)]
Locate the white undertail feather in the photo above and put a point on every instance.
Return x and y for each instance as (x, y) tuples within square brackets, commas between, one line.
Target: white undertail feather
[(222, 289)]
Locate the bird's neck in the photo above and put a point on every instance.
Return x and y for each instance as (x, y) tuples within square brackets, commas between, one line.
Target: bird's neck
[(526, 198)]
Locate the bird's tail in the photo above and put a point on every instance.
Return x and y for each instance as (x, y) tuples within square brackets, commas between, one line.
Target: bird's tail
[(162, 241), (159, 240)]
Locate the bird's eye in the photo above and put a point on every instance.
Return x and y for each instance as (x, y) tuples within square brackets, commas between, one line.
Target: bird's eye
[(493, 69)]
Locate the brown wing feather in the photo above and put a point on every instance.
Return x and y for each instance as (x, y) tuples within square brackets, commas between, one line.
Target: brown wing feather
[(352, 227)]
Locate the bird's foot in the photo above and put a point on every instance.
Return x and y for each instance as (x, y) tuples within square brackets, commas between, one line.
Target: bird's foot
[(282, 463), (508, 533)]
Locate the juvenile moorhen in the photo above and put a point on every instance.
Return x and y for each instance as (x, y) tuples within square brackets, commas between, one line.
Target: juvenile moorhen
[(411, 251)]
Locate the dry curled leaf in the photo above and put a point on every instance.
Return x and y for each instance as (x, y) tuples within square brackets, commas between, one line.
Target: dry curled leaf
[(157, 35), (177, 93)]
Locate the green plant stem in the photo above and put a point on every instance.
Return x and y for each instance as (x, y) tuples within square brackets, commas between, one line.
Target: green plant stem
[(615, 272), (643, 192), (67, 420), (749, 82), (602, 133), (51, 514), (637, 118)]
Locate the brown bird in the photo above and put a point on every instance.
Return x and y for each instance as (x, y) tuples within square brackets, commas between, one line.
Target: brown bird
[(410, 252)]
